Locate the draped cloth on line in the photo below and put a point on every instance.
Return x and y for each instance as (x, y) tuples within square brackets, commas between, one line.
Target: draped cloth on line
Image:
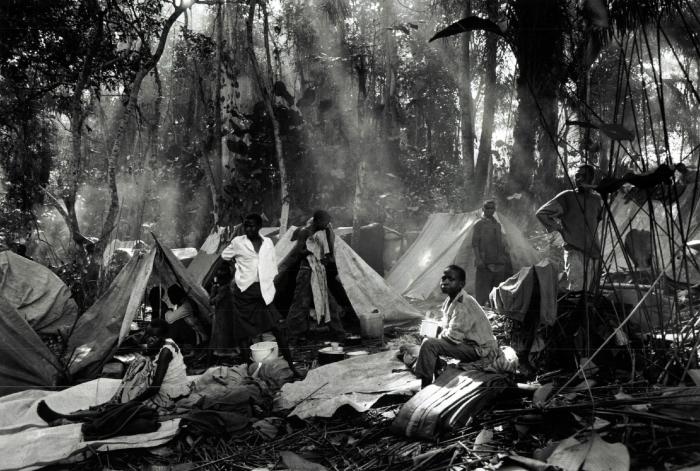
[(318, 245)]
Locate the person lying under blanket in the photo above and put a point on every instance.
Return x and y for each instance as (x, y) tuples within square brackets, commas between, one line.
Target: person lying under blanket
[(157, 380)]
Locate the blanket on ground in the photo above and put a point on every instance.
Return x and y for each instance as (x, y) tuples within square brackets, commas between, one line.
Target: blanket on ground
[(27, 442)]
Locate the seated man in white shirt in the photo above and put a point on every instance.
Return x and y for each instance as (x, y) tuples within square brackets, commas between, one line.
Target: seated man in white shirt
[(254, 288), (467, 335)]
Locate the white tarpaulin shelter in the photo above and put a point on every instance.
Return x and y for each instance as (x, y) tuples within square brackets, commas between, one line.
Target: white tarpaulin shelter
[(106, 323), (663, 240), (365, 288), (445, 240)]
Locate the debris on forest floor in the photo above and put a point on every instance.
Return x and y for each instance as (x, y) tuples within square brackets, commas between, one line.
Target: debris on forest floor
[(632, 425), (644, 428), (607, 419)]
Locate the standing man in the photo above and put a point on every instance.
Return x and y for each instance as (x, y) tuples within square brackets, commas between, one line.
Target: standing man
[(466, 334), (575, 215), (490, 253), (254, 288)]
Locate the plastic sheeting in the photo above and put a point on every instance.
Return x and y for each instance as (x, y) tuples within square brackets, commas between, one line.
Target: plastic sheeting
[(25, 361), (358, 382), (629, 215), (106, 323), (26, 442), (202, 266), (512, 297), (445, 240), (365, 289), (38, 295)]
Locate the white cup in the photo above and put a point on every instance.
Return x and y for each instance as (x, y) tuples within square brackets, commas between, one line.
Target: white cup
[(335, 346)]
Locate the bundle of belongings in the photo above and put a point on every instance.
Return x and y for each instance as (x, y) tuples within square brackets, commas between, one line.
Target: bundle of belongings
[(226, 399), (116, 420), (221, 401), (529, 300), (454, 397), (460, 392)]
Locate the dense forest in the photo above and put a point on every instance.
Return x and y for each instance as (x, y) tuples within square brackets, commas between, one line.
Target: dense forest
[(218, 125), (126, 117)]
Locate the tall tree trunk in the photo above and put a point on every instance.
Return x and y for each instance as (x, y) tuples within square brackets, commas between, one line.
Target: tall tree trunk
[(123, 121), (202, 153), (547, 142), (522, 160), (466, 102), (360, 155), (75, 169), (217, 167), (490, 98), (539, 27), (389, 71), (360, 178), (265, 87), (77, 119)]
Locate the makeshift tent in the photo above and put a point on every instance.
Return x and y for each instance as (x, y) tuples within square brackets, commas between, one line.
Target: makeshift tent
[(664, 230), (365, 289), (378, 245), (445, 240), (37, 294), (128, 247), (26, 362), (33, 302), (204, 264), (106, 323)]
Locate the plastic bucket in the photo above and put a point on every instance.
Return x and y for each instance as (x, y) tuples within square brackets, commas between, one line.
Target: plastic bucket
[(372, 326), (262, 352)]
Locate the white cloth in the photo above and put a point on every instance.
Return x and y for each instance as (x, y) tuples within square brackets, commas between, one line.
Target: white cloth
[(252, 266), (575, 267), (318, 245), (175, 383)]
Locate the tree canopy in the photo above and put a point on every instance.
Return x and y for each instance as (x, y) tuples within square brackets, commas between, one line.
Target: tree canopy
[(128, 116)]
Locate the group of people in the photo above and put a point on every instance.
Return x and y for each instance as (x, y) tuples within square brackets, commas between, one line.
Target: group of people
[(466, 332), (573, 213), (244, 292), (244, 301), (245, 309)]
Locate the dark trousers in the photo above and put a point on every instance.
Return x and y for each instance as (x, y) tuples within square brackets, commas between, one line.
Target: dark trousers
[(430, 351), (253, 317), (298, 318), (484, 281)]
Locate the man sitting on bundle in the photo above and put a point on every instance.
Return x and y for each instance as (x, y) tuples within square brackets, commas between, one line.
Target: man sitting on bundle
[(466, 336)]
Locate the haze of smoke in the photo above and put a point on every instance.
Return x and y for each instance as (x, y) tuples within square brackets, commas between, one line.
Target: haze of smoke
[(162, 208)]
